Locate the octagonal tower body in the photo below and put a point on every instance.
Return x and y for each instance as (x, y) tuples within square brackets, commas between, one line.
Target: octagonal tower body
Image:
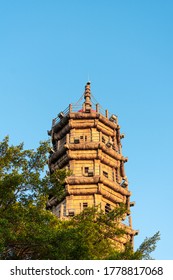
[(87, 141)]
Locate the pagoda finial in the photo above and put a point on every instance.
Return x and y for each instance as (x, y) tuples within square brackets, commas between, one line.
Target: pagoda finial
[(87, 96)]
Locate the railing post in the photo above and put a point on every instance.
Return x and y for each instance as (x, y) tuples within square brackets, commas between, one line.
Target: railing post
[(106, 113), (70, 108)]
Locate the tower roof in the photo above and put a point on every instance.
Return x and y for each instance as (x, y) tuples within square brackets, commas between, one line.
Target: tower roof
[(89, 105)]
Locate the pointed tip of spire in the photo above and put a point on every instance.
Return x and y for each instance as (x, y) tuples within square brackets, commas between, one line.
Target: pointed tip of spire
[(87, 87), (87, 96)]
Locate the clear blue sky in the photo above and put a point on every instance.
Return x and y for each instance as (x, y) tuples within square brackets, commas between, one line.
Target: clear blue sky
[(49, 49)]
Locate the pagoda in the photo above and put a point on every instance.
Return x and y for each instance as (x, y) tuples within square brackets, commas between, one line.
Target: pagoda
[(87, 141)]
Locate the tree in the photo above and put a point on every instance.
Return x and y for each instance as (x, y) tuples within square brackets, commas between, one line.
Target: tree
[(148, 246), (25, 225), (29, 231)]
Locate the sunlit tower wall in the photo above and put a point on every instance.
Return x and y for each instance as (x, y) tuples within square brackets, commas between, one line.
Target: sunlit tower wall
[(87, 141)]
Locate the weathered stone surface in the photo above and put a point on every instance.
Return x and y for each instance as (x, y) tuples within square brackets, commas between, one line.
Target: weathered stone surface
[(89, 144)]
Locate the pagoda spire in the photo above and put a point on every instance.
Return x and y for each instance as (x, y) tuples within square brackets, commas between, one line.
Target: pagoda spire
[(87, 96)]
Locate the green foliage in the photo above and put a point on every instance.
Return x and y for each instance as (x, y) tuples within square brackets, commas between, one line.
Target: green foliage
[(20, 173), (29, 231), (55, 183), (25, 225), (148, 246)]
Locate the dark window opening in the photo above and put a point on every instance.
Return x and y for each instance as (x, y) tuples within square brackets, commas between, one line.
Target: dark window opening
[(85, 204), (107, 208), (86, 169), (76, 141), (71, 213), (88, 172), (105, 174)]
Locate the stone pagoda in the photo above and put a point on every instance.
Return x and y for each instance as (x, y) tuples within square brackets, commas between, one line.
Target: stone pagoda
[(87, 141)]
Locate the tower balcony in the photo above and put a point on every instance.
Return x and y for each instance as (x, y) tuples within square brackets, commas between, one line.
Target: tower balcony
[(86, 150), (77, 112), (96, 180)]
